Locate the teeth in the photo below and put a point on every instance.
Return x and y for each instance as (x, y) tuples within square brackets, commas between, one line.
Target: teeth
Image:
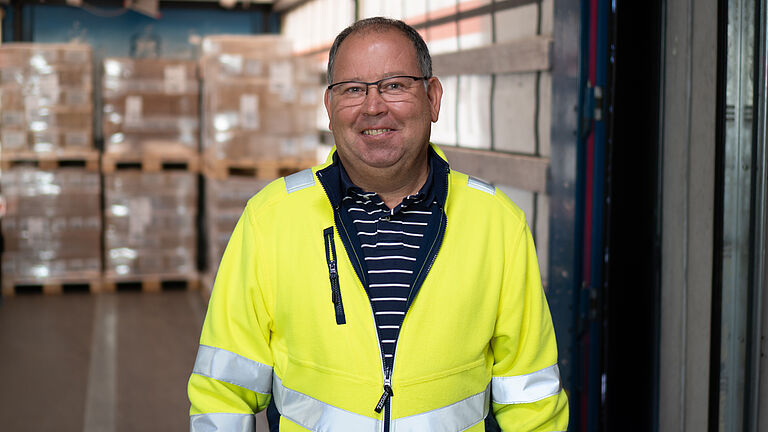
[(375, 131)]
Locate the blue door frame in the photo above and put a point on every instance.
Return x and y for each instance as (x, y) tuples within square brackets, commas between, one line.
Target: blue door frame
[(577, 179)]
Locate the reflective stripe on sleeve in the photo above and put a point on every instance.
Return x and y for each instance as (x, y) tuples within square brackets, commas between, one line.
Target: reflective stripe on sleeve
[(229, 422), (232, 368), (315, 415), (526, 388), (455, 417)]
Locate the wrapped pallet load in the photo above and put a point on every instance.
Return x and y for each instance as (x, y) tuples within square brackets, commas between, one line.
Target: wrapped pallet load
[(259, 109), (51, 229), (150, 165), (47, 102)]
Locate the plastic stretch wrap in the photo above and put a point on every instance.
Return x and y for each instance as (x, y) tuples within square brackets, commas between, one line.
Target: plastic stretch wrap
[(259, 101), (52, 227), (46, 94), (150, 100), (225, 201), (150, 223)]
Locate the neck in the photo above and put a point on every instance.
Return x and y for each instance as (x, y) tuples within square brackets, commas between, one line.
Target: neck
[(392, 184)]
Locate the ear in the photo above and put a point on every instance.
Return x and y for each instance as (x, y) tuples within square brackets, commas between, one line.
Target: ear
[(327, 102), (434, 94)]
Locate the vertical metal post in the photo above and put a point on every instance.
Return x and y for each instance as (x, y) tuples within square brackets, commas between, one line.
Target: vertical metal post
[(564, 224), (758, 392)]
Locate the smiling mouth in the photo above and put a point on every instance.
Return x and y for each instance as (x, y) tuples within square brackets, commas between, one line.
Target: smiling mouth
[(376, 131)]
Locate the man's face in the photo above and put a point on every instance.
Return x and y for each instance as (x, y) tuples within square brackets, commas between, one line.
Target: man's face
[(379, 134)]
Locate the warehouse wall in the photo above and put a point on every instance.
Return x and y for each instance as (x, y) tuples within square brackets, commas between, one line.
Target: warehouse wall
[(501, 107), (111, 29)]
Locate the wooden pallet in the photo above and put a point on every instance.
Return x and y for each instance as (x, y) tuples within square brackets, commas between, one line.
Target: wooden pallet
[(45, 161), (150, 162), (151, 283), (221, 169), (91, 283)]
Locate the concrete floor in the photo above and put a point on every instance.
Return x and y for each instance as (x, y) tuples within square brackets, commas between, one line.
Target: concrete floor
[(98, 363)]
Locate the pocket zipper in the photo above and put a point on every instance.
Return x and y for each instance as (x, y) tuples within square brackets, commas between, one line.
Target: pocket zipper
[(330, 256)]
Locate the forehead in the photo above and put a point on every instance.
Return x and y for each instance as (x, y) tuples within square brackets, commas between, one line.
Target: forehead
[(375, 52)]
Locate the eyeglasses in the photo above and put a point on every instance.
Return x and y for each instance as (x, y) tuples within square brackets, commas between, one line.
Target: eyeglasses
[(392, 89)]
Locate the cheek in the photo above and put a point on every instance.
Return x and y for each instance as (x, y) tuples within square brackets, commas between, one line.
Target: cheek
[(343, 119)]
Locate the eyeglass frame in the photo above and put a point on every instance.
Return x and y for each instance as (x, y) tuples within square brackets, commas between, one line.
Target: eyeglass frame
[(376, 83)]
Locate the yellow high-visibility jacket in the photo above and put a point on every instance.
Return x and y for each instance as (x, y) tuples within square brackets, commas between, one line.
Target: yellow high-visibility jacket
[(477, 330)]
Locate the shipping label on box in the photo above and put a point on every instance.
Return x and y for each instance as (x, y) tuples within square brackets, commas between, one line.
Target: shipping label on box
[(47, 87), (249, 111), (280, 76), (133, 108), (139, 217), (175, 79), (13, 140), (289, 147), (35, 226)]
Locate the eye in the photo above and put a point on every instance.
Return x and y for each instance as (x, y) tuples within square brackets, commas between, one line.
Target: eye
[(393, 85), (352, 89)]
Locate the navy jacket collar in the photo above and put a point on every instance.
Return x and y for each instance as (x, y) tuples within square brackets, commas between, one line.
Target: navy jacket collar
[(336, 182)]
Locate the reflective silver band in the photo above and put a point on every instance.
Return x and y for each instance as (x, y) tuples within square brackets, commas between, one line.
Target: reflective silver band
[(527, 388), (478, 184), (229, 422), (318, 416), (300, 180), (232, 368), (455, 417)]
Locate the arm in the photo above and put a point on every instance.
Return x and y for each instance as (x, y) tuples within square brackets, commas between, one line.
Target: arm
[(526, 389), (232, 377)]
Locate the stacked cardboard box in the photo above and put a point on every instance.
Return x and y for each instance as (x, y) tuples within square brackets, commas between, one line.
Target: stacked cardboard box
[(225, 201), (150, 105), (259, 101), (46, 93), (52, 228), (150, 224)]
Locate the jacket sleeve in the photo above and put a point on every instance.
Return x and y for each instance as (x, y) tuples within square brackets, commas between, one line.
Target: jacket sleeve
[(232, 376), (526, 391)]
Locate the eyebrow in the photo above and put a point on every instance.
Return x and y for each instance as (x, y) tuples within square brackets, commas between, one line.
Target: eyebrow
[(388, 75)]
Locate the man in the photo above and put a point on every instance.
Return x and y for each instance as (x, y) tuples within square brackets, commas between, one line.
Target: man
[(380, 290)]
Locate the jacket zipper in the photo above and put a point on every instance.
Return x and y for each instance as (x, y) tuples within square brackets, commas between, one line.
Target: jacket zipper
[(330, 256), (385, 401)]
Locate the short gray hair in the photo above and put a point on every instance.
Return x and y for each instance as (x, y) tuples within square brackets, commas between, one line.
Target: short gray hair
[(381, 24)]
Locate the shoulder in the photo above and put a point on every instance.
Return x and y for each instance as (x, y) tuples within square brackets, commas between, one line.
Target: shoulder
[(481, 196), (290, 193)]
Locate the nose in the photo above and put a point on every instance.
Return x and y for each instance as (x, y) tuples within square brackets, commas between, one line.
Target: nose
[(373, 104)]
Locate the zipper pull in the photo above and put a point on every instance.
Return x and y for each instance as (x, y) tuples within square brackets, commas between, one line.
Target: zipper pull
[(334, 276), (388, 393)]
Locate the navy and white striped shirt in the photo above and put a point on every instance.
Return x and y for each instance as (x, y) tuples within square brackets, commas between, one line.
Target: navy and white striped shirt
[(390, 240)]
